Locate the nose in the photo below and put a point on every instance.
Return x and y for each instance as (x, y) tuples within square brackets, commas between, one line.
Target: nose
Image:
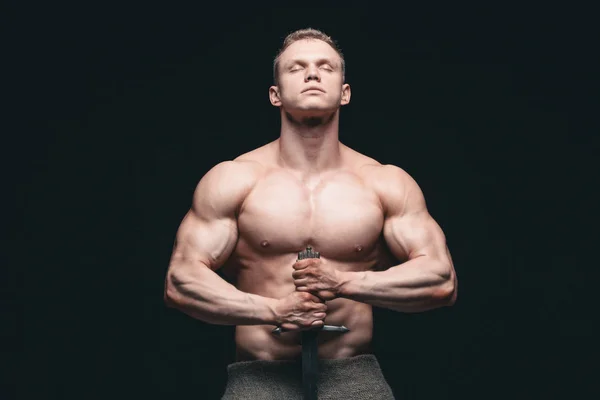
[(312, 74)]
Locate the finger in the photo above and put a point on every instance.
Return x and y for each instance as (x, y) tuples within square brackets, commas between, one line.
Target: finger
[(301, 282), (287, 327), (300, 264), (298, 274), (317, 302), (303, 289), (326, 294), (320, 315)]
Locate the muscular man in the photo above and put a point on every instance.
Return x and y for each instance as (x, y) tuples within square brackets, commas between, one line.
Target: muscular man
[(251, 216)]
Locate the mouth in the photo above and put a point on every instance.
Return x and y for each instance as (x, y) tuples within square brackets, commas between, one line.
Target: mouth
[(313, 89)]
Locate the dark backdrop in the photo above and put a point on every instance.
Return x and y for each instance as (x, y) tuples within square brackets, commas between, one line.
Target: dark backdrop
[(120, 109)]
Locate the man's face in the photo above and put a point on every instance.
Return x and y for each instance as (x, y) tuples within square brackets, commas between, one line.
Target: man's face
[(310, 80)]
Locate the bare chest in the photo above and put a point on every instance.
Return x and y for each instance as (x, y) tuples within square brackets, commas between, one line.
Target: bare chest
[(338, 215)]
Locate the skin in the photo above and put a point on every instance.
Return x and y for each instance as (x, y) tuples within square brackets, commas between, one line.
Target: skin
[(251, 216)]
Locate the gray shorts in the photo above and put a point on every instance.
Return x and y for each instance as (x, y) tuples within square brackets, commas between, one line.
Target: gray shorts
[(358, 377)]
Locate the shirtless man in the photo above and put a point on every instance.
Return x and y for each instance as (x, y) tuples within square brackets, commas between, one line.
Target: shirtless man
[(251, 216)]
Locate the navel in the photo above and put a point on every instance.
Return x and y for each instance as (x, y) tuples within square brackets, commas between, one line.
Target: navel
[(264, 243)]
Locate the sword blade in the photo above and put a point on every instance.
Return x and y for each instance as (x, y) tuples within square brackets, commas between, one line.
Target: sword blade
[(310, 364)]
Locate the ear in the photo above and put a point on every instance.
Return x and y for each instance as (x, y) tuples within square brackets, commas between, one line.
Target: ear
[(274, 96), (345, 94)]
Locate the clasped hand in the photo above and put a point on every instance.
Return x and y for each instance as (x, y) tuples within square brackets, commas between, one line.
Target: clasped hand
[(317, 277)]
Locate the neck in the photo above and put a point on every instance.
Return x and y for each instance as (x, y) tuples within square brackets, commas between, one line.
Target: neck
[(309, 145)]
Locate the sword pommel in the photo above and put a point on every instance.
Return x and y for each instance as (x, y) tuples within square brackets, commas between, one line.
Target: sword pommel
[(308, 253)]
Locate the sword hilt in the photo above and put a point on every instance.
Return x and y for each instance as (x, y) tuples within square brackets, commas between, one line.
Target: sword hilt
[(308, 253), (326, 328), (304, 254)]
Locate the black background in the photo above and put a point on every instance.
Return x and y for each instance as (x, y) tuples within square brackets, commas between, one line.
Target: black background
[(115, 111)]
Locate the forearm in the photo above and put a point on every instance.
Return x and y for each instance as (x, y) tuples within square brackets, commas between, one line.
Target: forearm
[(204, 295), (417, 285)]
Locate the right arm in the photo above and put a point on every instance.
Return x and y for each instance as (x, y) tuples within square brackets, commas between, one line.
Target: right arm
[(204, 241)]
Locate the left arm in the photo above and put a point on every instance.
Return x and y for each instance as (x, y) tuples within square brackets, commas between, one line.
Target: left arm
[(427, 279)]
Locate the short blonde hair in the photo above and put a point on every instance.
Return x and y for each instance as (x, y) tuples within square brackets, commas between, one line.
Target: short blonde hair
[(308, 33)]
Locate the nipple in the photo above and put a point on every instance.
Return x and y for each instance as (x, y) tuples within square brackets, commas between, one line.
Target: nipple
[(264, 243), (358, 248)]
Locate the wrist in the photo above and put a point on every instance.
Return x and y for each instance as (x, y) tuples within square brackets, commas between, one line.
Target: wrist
[(269, 315), (264, 309), (348, 282)]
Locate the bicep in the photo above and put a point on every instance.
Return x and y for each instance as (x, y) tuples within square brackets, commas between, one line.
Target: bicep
[(208, 233), (209, 241), (409, 230), (415, 235)]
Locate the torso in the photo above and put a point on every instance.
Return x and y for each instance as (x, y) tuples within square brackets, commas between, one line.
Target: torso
[(339, 215)]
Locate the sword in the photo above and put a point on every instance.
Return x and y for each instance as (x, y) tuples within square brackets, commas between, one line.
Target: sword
[(310, 362)]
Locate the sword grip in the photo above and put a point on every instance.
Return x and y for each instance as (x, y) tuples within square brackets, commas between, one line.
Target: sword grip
[(304, 254)]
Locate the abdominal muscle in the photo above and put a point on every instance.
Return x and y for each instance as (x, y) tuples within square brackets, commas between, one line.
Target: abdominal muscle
[(273, 279)]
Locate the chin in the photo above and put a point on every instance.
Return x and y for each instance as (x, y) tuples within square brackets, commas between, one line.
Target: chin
[(321, 113), (316, 109)]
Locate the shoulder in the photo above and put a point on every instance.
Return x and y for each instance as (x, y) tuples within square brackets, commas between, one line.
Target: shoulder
[(232, 173), (392, 184), (223, 188), (373, 171), (397, 189), (260, 156), (242, 171)]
